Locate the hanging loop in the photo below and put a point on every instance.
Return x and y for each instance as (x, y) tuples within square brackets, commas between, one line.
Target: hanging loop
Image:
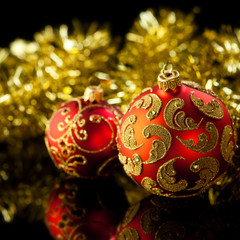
[(168, 78)]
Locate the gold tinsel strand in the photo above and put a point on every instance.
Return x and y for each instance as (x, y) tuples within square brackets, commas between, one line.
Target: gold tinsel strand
[(36, 76), (154, 38)]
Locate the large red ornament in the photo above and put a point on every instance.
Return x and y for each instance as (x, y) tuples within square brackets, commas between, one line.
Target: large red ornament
[(79, 209), (81, 134), (176, 138)]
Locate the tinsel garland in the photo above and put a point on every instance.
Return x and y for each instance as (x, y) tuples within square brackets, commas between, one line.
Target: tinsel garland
[(60, 62)]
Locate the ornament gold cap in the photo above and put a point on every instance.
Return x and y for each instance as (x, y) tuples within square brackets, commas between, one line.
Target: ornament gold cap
[(93, 93), (168, 78)]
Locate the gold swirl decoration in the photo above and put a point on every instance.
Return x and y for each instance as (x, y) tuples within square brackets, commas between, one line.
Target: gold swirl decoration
[(151, 186), (179, 121), (171, 228), (149, 100), (159, 147), (166, 179), (127, 133), (203, 145), (150, 220), (128, 233), (70, 128), (212, 109), (132, 166), (208, 168), (226, 147), (71, 164)]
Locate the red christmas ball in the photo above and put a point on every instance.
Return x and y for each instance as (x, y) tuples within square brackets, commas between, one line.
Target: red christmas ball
[(176, 138), (81, 135), (84, 209), (153, 218)]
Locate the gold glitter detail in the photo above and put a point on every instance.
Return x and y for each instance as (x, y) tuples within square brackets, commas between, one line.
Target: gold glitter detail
[(71, 163), (212, 109), (131, 166), (208, 168), (128, 233), (150, 220), (159, 147), (204, 144), (71, 127), (149, 100), (127, 133), (226, 147), (179, 121), (166, 179), (171, 228), (150, 185)]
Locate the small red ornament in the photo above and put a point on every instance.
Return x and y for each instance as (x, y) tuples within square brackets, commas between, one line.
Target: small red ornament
[(176, 138), (84, 209), (81, 134), (153, 219)]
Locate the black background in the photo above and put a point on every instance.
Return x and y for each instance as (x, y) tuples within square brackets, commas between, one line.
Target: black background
[(22, 19)]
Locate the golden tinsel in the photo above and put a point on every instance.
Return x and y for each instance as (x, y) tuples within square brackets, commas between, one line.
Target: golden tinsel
[(154, 38), (37, 75)]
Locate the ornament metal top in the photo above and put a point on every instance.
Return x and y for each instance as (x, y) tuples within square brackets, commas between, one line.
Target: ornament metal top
[(168, 78), (93, 93)]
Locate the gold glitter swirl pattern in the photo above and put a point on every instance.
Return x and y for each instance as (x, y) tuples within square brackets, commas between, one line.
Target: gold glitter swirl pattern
[(128, 233), (150, 185), (132, 166), (204, 144), (212, 109), (70, 164), (159, 147), (149, 100), (171, 228), (226, 146), (208, 168), (70, 129), (127, 133), (166, 179), (150, 220), (178, 120)]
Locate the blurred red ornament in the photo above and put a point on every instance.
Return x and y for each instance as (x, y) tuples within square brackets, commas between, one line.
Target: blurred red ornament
[(176, 138), (79, 209), (154, 218), (81, 134)]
